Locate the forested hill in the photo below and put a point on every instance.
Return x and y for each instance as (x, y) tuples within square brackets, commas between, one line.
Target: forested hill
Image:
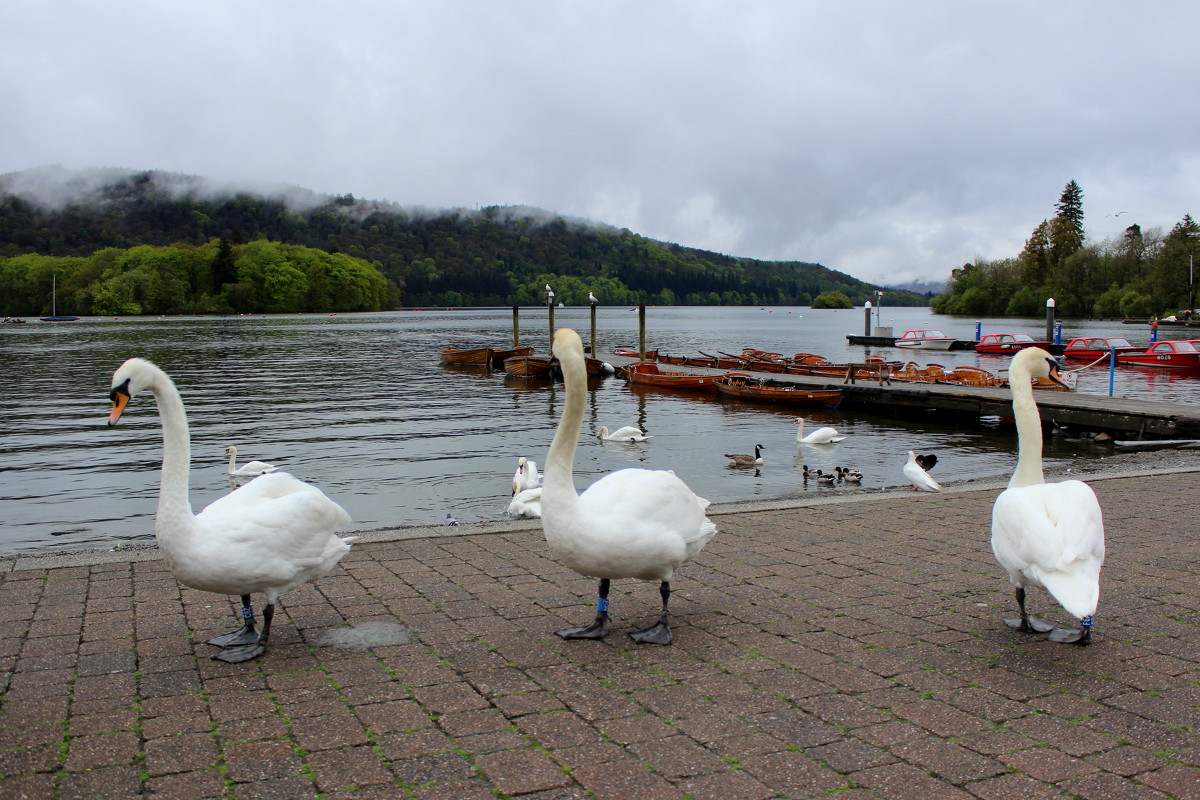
[(493, 256)]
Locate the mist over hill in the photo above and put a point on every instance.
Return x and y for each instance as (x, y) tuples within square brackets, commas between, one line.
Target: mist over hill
[(495, 255)]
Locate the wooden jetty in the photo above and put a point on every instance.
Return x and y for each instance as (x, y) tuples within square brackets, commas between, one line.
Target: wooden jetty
[(959, 344), (1120, 417)]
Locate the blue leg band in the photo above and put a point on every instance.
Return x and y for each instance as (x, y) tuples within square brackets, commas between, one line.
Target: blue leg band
[(1086, 621), (248, 613), (602, 604)]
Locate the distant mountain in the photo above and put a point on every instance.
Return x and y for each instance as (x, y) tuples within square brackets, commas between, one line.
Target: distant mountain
[(497, 255), (921, 287)]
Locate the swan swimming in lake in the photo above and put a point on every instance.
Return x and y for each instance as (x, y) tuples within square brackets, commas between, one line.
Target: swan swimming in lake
[(271, 535), (824, 435), (1046, 534), (526, 476), (632, 523), (527, 503), (627, 433), (248, 470)]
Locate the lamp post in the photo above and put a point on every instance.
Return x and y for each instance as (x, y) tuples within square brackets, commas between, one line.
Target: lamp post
[(878, 308)]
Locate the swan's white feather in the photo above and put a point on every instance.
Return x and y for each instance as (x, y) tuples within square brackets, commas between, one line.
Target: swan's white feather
[(825, 435), (527, 503)]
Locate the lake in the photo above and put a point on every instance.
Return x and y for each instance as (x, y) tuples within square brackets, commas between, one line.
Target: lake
[(359, 405)]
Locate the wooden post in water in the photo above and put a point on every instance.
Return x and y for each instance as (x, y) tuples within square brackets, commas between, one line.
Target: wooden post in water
[(594, 330), (1050, 320), (867, 319), (550, 308), (516, 326), (641, 331)]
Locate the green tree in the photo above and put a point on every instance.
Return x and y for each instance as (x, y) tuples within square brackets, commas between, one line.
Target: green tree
[(832, 300), (1066, 230)]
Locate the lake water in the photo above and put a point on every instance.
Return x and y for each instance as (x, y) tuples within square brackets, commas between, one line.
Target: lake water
[(360, 406)]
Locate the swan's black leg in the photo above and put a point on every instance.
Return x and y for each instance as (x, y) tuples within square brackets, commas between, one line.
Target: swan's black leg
[(598, 629), (1027, 624), (236, 654), (1082, 636), (243, 635), (659, 632)]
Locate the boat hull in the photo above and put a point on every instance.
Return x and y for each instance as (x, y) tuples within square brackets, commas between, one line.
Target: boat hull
[(645, 373), (528, 366), (743, 387), (498, 357), (477, 355)]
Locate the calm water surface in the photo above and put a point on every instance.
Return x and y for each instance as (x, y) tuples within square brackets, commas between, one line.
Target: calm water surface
[(360, 406)]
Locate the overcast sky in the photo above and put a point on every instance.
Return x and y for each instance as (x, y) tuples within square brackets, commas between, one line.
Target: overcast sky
[(889, 140)]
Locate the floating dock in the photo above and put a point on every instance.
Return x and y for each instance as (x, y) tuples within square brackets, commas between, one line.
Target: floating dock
[(1119, 417), (959, 344)]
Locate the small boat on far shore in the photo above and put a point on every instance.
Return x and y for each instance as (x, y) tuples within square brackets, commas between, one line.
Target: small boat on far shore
[(13, 321), (742, 386), (1005, 344), (925, 339)]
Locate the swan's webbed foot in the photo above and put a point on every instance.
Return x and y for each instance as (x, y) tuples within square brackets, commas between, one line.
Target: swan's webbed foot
[(1029, 625), (1081, 636), (658, 633), (598, 629), (247, 634), (240, 653)]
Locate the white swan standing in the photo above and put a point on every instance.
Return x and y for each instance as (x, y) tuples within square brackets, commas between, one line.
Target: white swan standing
[(627, 433), (269, 536), (526, 476), (824, 435), (250, 469), (918, 477), (1046, 534), (633, 523)]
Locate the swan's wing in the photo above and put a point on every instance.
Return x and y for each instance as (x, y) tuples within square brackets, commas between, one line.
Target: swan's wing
[(527, 503), (625, 432), (1052, 534), (645, 523), (292, 517)]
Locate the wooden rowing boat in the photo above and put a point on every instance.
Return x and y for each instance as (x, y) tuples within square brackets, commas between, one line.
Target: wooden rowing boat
[(499, 356), (744, 387), (475, 355), (630, 351), (529, 366), (647, 373)]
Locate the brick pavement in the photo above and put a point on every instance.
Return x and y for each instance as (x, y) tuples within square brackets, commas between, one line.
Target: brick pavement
[(848, 650)]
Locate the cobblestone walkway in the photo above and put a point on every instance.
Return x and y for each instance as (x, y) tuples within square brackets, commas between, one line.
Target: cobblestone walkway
[(849, 650)]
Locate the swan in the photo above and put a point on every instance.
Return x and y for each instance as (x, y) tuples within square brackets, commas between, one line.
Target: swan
[(918, 477), (633, 523), (626, 434), (824, 435), (526, 476), (269, 536), (527, 503), (1046, 534), (248, 470), (747, 460)]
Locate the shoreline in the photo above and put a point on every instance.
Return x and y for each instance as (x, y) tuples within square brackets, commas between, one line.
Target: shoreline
[(1117, 465)]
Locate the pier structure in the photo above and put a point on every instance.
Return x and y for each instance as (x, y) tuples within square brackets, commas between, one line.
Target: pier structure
[(1121, 418)]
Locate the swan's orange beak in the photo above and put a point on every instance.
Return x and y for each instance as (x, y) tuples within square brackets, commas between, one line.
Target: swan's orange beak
[(1054, 376), (120, 398)]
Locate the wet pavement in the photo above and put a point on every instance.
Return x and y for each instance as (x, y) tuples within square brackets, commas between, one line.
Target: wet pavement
[(850, 648)]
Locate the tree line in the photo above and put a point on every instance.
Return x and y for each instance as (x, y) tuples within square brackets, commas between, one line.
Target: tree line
[(217, 277), (1137, 274), (493, 256)]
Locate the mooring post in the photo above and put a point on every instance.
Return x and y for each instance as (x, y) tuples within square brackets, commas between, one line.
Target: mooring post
[(516, 326), (641, 331), (594, 331), (550, 315), (1050, 320), (867, 318)]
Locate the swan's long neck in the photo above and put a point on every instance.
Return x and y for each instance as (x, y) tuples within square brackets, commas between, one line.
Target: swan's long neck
[(174, 508), (1029, 430), (558, 482), (232, 453)]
